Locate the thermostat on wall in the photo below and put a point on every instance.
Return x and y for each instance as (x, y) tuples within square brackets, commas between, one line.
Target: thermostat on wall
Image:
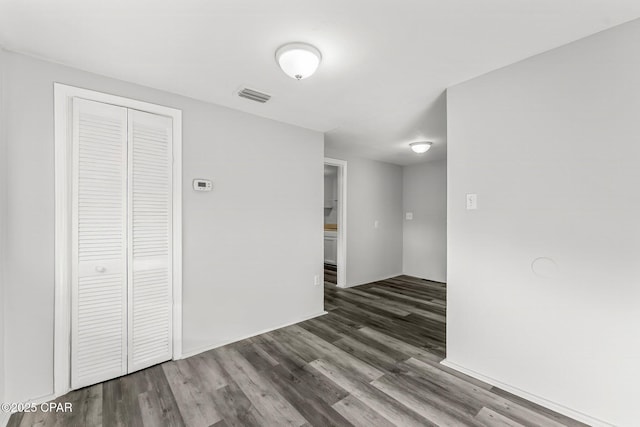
[(202, 185)]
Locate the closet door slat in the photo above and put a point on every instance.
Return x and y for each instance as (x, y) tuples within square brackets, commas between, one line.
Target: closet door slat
[(150, 243), (99, 243)]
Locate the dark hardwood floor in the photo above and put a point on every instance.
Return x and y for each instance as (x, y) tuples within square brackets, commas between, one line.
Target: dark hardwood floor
[(330, 273), (372, 361)]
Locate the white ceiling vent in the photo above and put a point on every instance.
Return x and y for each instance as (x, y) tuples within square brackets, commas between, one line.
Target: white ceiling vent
[(254, 95)]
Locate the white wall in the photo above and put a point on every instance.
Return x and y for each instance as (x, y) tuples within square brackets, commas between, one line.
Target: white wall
[(251, 247), (374, 193), (550, 145), (3, 195), (424, 243)]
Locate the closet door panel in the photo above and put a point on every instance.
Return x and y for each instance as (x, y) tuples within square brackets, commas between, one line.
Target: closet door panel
[(150, 257), (99, 243)]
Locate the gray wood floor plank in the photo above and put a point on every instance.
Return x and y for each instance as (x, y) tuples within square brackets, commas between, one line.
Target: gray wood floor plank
[(113, 404), (87, 408), (15, 420), (445, 369), (404, 329), (320, 329), (384, 405), (269, 403), (443, 395), (374, 357), (150, 409), (290, 360), (326, 389), (341, 323), (377, 306), (304, 399), (211, 370), (195, 407), (422, 405), (430, 405), (330, 352), (235, 408), (131, 386), (221, 423), (27, 419), (406, 348), (266, 356), (491, 418), (420, 303), (359, 414), (160, 394)]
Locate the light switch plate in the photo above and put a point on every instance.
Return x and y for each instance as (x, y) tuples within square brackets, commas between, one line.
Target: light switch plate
[(408, 216), (472, 201)]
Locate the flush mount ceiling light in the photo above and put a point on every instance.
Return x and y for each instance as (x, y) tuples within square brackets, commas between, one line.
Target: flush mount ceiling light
[(298, 60), (420, 147)]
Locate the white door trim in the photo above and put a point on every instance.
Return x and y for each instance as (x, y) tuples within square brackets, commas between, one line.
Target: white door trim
[(62, 306), (341, 256)]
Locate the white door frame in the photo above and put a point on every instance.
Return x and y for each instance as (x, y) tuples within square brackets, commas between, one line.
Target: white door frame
[(63, 95), (341, 256)]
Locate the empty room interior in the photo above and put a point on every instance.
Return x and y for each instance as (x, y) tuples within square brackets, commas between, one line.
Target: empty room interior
[(319, 213)]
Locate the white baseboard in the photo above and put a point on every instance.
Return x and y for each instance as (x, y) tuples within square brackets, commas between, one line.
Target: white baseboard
[(576, 415), (4, 419), (222, 344)]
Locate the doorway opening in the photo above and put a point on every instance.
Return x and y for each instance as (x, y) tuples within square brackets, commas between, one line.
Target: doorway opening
[(335, 221)]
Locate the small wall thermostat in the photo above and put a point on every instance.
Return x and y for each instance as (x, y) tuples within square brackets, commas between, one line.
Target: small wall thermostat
[(202, 185)]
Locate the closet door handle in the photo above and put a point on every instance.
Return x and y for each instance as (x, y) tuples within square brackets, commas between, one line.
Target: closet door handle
[(101, 269)]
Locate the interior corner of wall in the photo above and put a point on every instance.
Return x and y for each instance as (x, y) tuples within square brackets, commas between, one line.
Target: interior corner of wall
[(3, 205)]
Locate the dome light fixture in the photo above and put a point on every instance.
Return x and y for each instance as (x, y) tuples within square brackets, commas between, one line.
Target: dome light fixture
[(298, 60), (420, 147)]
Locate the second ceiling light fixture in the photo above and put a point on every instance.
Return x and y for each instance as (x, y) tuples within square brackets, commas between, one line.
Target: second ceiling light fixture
[(420, 147)]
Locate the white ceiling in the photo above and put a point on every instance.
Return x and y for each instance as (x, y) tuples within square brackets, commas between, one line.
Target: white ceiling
[(386, 63)]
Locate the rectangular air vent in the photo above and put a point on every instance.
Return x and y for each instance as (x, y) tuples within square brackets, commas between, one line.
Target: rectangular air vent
[(254, 95)]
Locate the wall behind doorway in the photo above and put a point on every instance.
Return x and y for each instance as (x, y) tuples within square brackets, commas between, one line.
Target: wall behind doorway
[(424, 238)]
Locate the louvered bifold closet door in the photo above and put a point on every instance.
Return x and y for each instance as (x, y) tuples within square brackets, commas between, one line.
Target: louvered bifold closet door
[(150, 257), (99, 243)]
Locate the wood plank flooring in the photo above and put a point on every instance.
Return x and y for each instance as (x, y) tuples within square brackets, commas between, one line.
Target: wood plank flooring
[(330, 273), (372, 361)]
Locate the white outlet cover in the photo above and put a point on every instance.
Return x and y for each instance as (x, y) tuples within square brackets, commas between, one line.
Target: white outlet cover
[(408, 216), (472, 201)]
